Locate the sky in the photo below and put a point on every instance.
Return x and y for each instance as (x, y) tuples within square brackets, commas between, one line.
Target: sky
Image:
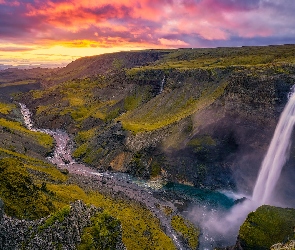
[(56, 32)]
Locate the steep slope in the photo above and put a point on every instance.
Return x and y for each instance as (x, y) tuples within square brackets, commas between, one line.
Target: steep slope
[(265, 227), (201, 116), (37, 195), (95, 65)]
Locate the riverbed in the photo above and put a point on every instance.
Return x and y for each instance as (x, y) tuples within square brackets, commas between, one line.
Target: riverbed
[(151, 194)]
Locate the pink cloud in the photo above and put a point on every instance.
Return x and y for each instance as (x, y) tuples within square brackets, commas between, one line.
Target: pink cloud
[(172, 42), (150, 22)]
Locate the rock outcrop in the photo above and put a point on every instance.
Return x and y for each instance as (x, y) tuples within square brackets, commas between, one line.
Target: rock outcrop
[(62, 230)]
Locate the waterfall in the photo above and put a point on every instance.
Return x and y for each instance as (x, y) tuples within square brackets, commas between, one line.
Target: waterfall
[(277, 155), (162, 85)]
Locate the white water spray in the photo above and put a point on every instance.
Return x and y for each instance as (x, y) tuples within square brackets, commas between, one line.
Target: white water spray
[(277, 155), (226, 225)]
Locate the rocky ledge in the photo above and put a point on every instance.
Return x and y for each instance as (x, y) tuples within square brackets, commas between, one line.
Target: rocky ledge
[(63, 230)]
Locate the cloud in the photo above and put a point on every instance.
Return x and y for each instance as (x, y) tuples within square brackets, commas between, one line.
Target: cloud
[(172, 42), (14, 49), (146, 23)]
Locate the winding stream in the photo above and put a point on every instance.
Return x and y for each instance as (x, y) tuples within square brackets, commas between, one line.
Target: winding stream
[(115, 182)]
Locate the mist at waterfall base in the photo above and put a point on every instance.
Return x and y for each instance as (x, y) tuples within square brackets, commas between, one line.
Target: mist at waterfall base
[(219, 225)]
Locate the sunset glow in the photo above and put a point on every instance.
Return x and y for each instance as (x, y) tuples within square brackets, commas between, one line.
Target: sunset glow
[(59, 31)]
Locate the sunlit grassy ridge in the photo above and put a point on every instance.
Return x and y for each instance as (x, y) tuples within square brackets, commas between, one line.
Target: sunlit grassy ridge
[(5, 108), (77, 99), (171, 107), (17, 83), (16, 127), (224, 57)]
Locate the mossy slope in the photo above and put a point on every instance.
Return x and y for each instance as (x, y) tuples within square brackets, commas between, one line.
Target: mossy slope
[(267, 226)]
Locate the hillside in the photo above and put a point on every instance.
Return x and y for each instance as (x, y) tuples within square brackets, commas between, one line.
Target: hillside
[(210, 111), (199, 119)]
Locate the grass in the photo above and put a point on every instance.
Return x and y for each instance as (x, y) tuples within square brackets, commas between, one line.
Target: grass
[(222, 57), (267, 226), (17, 83), (164, 110), (22, 197), (187, 230), (25, 197), (57, 216), (15, 127), (6, 108), (103, 233), (141, 230)]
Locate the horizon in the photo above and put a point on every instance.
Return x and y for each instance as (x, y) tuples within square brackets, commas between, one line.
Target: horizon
[(56, 32), (65, 64)]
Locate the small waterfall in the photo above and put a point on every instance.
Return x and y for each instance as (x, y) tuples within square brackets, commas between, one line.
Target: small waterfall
[(277, 155), (162, 85)]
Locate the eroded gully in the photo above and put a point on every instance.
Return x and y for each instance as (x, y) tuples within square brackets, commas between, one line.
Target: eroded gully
[(114, 182)]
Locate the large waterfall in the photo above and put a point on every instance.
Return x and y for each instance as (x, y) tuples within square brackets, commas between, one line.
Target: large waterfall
[(277, 155)]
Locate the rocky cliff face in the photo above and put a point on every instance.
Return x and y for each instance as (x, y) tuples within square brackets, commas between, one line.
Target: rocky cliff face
[(62, 230), (209, 126)]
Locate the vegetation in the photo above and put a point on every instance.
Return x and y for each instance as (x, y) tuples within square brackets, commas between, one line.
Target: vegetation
[(162, 111), (23, 197), (267, 226), (223, 57), (141, 230), (187, 230), (57, 216), (102, 234), (102, 100), (16, 127), (6, 108)]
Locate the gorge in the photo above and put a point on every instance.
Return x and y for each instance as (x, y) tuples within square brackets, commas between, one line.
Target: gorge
[(169, 144)]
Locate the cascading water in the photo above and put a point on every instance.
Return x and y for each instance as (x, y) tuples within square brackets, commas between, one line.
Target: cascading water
[(277, 155), (162, 85), (227, 225)]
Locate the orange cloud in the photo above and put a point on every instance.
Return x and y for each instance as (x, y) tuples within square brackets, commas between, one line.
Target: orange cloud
[(93, 24)]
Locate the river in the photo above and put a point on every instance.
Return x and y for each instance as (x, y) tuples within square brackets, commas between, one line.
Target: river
[(115, 182)]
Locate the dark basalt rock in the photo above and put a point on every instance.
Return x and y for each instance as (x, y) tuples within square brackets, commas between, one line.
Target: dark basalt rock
[(53, 232), (1, 209)]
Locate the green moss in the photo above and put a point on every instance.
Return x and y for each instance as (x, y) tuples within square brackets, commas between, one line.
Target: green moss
[(22, 197), (6, 108), (202, 141), (104, 233), (267, 226), (155, 169), (112, 114), (15, 127), (84, 136), (141, 230), (187, 230), (57, 216), (132, 102), (173, 107), (81, 150)]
